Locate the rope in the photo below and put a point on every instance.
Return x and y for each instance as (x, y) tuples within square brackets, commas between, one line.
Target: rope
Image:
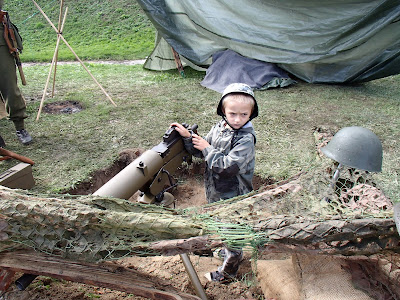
[(34, 14)]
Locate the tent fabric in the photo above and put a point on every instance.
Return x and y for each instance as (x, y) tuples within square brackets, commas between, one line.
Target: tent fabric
[(229, 67), (162, 59), (317, 41)]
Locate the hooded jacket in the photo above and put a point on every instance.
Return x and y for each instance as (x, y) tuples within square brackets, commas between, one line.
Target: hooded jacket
[(230, 161)]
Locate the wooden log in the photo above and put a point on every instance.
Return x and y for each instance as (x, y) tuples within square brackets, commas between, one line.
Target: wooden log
[(6, 278), (104, 275)]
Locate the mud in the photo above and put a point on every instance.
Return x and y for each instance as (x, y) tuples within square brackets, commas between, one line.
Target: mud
[(63, 107)]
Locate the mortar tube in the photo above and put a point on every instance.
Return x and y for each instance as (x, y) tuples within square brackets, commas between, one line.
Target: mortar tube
[(193, 276), (132, 177)]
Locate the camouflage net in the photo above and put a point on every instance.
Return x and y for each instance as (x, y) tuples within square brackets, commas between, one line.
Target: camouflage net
[(85, 227), (306, 213), (313, 211)]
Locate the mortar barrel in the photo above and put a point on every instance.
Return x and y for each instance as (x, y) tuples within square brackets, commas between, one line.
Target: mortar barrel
[(133, 177)]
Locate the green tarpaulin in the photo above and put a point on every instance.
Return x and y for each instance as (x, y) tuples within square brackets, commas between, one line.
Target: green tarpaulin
[(317, 41)]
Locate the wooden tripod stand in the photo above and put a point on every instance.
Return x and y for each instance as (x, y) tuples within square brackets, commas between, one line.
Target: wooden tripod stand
[(59, 31)]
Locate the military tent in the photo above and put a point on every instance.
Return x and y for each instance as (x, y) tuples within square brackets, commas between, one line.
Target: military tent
[(335, 41)]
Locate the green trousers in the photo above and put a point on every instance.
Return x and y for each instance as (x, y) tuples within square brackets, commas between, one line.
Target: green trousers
[(11, 94)]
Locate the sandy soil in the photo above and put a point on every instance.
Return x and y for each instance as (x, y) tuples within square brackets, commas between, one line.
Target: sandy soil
[(170, 269)]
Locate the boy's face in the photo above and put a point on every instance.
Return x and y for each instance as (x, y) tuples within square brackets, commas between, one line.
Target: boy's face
[(237, 113)]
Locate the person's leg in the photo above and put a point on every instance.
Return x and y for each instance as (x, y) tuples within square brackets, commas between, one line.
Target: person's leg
[(14, 101), (230, 266)]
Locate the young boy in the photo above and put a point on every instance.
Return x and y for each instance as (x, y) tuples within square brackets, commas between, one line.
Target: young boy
[(228, 150)]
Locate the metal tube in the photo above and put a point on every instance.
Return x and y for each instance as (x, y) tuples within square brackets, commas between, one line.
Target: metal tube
[(336, 175), (334, 180), (132, 177), (193, 276)]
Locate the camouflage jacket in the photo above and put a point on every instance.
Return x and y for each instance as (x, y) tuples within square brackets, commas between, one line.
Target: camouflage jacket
[(230, 161)]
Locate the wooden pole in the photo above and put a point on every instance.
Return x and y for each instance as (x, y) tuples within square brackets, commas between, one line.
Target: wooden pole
[(60, 30), (22, 158), (53, 64), (178, 62), (76, 56)]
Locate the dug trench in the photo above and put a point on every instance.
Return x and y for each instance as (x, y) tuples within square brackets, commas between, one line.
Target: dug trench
[(169, 271), (164, 270)]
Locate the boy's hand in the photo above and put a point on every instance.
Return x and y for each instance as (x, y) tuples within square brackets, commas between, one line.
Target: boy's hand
[(181, 130), (199, 143)]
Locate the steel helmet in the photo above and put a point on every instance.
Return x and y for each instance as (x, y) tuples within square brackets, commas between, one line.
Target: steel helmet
[(356, 147), (238, 88)]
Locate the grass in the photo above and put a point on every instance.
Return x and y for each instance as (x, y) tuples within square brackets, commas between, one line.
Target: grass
[(112, 30), (69, 147)]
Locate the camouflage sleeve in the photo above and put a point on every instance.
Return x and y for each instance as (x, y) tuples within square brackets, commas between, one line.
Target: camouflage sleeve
[(233, 163)]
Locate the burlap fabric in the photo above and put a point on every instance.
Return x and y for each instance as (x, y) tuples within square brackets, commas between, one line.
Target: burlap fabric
[(307, 277)]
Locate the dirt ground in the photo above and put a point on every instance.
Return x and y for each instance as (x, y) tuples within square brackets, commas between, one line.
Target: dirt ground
[(170, 269)]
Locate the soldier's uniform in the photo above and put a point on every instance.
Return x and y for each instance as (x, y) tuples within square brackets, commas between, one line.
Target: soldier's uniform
[(10, 93)]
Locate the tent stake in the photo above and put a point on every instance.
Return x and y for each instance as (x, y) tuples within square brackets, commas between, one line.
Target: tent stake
[(60, 30)]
